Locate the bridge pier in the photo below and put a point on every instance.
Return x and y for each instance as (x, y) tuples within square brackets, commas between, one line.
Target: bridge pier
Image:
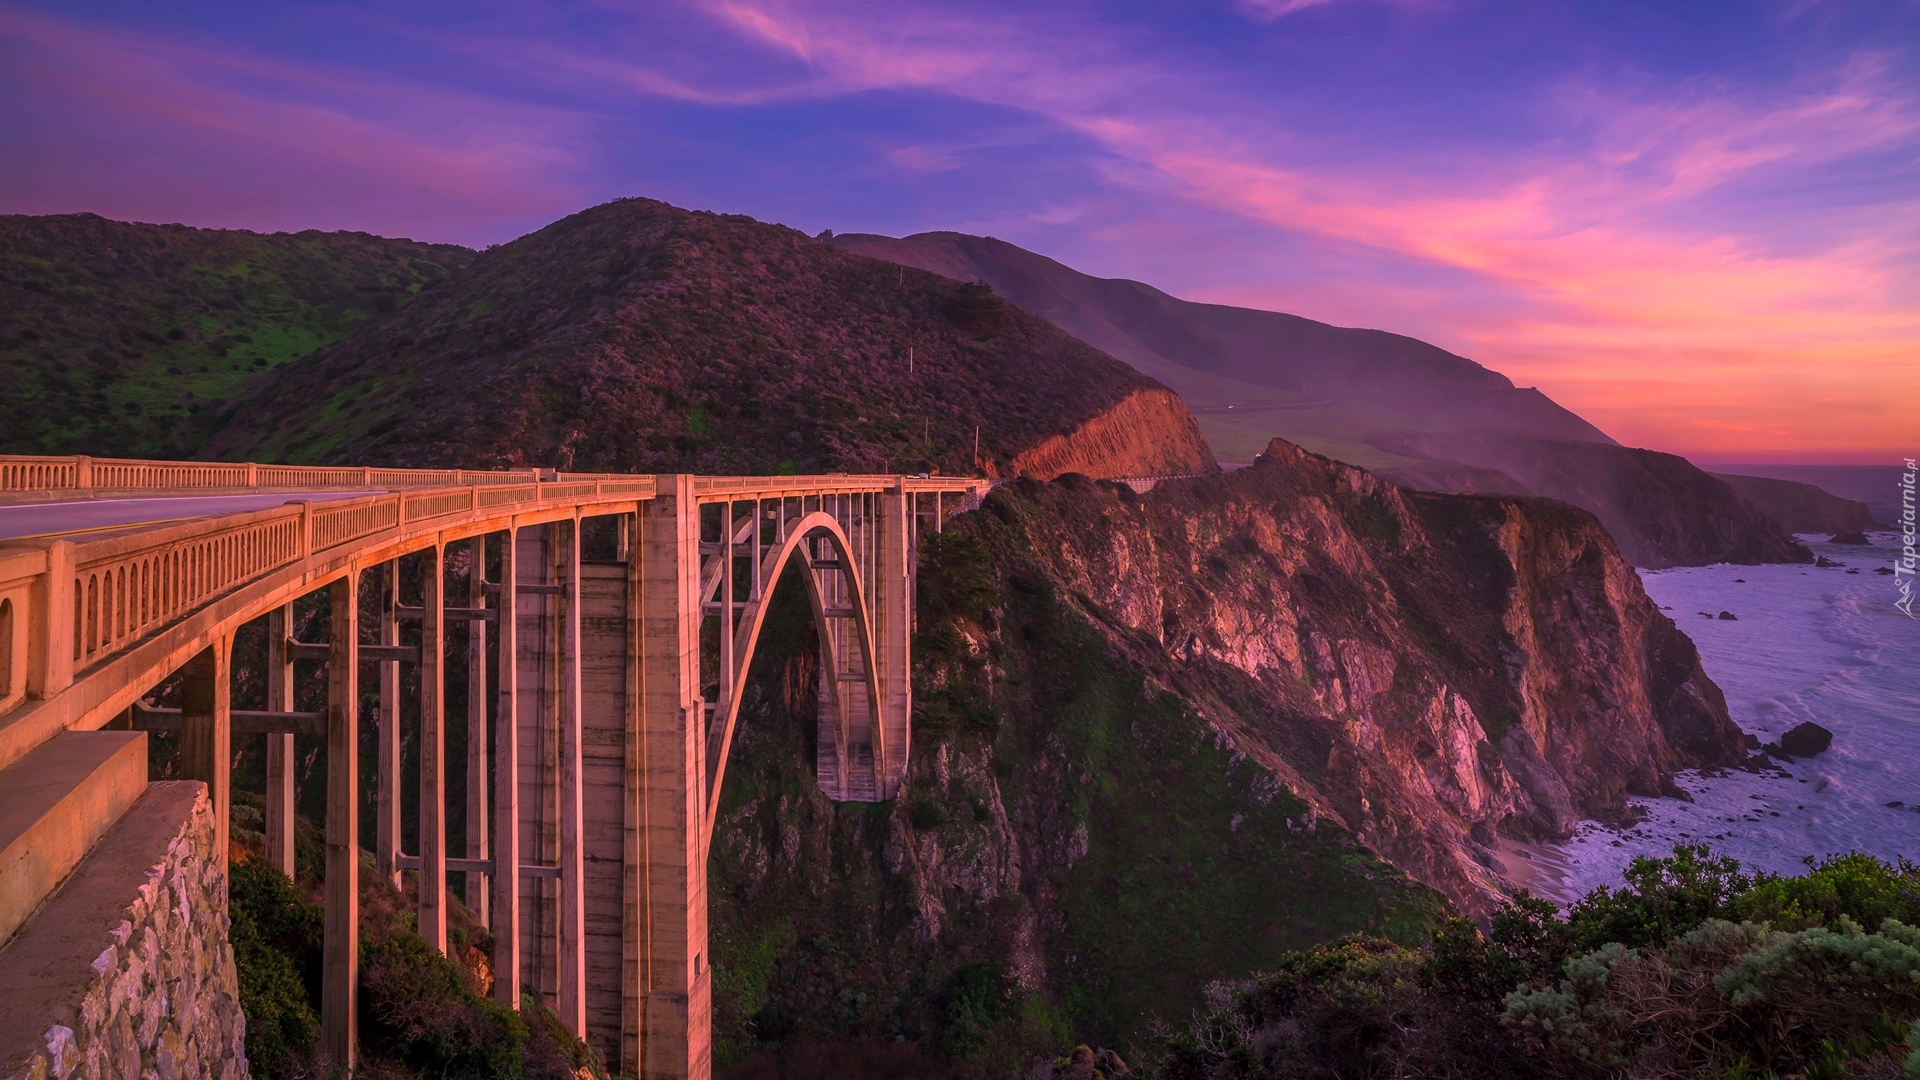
[(340, 949), (206, 731), (280, 766)]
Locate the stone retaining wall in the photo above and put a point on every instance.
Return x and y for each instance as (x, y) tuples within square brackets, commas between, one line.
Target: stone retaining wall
[(127, 971)]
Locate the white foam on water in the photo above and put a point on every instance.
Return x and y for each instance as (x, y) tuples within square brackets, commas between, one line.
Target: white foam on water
[(1807, 644)]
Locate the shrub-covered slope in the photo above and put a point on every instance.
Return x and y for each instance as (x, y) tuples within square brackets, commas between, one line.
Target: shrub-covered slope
[(118, 339), (638, 336)]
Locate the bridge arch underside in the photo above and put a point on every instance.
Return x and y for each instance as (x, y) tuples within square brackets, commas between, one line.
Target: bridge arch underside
[(855, 743)]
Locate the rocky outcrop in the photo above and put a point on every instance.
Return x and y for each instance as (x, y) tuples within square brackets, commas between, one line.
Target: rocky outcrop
[(127, 971), (1149, 433), (1660, 508), (1801, 508), (1472, 663)]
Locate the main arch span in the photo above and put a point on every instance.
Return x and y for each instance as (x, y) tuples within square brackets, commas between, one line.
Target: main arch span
[(607, 625)]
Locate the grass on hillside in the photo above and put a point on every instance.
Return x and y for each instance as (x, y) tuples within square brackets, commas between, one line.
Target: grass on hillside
[(120, 339)]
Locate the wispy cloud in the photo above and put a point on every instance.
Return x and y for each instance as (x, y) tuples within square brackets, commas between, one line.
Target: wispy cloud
[(1632, 246), (1269, 10)]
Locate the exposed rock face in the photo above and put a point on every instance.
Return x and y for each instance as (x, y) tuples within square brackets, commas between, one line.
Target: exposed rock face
[(127, 970), (1146, 746), (1469, 661), (1801, 508), (1149, 433), (636, 336), (1660, 508)]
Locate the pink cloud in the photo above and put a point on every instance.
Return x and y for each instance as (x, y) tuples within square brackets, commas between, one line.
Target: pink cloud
[(1626, 269)]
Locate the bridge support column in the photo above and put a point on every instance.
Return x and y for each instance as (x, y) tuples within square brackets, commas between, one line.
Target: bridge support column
[(675, 1038), (892, 608), (506, 785), (386, 794), (280, 767), (431, 921), (572, 898), (206, 731), (340, 951), (477, 731)]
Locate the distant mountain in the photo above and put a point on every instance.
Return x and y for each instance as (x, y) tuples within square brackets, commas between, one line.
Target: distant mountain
[(1660, 508), (1382, 401), (1878, 487), (637, 336), (116, 338), (1801, 508), (1250, 374)]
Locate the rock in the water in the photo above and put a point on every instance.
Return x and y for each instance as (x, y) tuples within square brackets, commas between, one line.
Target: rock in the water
[(1858, 539), (1823, 561), (1729, 616), (1806, 740)]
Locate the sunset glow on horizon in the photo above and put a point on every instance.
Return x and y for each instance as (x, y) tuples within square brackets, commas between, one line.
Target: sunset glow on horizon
[(1700, 230)]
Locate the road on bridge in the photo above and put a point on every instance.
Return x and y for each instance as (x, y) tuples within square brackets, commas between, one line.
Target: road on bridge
[(77, 516)]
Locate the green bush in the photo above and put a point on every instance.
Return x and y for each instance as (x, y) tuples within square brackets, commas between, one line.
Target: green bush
[(276, 936), (1692, 969), (423, 1005), (976, 999)]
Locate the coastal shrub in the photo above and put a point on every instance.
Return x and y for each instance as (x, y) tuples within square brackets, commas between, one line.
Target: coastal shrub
[(276, 937), (1724, 994), (955, 578), (425, 1008), (1662, 899), (1852, 886), (976, 999), (1820, 978)]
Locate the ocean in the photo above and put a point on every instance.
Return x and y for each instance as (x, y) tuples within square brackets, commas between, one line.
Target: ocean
[(1825, 645)]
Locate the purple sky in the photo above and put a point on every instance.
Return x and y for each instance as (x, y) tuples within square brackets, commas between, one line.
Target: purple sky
[(1697, 224)]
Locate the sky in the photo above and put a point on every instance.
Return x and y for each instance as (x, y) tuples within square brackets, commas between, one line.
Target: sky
[(1696, 224)]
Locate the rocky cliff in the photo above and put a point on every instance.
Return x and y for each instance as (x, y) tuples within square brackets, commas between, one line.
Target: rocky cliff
[(1163, 738), (636, 336), (1801, 508), (1147, 433), (1661, 508)]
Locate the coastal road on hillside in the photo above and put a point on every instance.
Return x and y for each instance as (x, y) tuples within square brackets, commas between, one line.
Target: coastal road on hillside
[(79, 516)]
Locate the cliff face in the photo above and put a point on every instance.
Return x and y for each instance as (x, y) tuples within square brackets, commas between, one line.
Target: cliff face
[(1660, 508), (1162, 739), (1149, 433), (1801, 508), (636, 336), (1472, 663)]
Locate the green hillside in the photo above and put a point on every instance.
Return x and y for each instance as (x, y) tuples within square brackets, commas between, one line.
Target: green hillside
[(117, 338)]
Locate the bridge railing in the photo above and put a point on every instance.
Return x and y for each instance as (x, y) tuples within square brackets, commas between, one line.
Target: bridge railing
[(21, 475), (122, 586)]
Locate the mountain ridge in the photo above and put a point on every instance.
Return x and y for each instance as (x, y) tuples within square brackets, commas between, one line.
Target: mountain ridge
[(637, 336)]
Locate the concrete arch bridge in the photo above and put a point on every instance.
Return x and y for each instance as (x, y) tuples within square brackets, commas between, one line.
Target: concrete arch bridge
[(607, 624)]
